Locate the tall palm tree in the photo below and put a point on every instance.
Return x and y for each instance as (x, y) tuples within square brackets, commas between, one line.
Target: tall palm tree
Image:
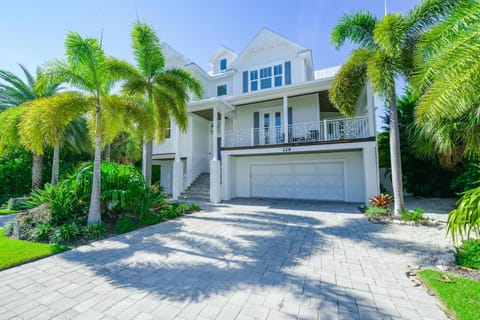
[(88, 69), (385, 51), (164, 91), (15, 92)]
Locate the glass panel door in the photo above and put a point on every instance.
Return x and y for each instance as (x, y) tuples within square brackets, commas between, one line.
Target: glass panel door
[(266, 128), (272, 127)]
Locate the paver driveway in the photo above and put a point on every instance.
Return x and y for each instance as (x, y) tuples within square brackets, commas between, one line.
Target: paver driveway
[(242, 260)]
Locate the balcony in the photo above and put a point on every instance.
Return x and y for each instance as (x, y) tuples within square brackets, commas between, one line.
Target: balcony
[(300, 133)]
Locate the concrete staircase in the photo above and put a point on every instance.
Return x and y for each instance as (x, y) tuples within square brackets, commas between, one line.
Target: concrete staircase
[(199, 189)]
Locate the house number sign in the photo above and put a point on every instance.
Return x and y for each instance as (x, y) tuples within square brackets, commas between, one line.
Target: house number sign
[(288, 149)]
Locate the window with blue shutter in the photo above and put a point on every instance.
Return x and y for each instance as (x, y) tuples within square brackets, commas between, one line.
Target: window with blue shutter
[(245, 81), (288, 73), (256, 128)]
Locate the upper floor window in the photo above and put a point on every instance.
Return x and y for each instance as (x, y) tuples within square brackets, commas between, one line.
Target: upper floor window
[(266, 78), (223, 64), (221, 90), (254, 80), (277, 73)]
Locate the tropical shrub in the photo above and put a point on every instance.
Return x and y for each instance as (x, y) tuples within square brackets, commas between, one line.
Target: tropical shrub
[(125, 224), (467, 176), (95, 230), (465, 219), (123, 191), (382, 200), (43, 233), (422, 173), (412, 215), (67, 233), (468, 254), (376, 211)]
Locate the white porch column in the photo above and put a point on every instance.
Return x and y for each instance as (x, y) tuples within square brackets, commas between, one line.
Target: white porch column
[(371, 172), (222, 128), (226, 161), (215, 191), (177, 179), (285, 120)]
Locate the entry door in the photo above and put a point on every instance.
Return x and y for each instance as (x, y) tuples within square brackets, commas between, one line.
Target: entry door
[(271, 131)]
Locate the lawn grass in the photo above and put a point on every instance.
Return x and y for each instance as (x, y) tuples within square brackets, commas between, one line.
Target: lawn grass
[(7, 211), (461, 296), (469, 254), (14, 252)]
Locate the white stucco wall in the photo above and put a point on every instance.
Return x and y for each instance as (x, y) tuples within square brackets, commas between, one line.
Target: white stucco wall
[(354, 171)]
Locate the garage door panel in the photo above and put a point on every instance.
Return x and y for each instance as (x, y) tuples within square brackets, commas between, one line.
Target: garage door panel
[(316, 180)]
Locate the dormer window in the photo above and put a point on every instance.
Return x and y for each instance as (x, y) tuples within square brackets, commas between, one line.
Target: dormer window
[(223, 64)]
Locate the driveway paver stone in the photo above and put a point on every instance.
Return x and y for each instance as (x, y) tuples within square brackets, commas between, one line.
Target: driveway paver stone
[(239, 260)]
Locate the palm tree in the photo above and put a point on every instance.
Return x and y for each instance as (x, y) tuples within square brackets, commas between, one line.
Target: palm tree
[(16, 92), (385, 51), (447, 80), (49, 122), (164, 91), (89, 69)]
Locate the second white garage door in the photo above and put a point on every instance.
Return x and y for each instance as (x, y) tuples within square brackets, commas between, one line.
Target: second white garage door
[(315, 180)]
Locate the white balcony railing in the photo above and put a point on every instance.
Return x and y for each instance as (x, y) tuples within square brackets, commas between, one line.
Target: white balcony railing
[(326, 130)]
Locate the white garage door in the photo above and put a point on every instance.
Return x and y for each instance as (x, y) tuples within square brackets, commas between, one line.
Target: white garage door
[(317, 180)]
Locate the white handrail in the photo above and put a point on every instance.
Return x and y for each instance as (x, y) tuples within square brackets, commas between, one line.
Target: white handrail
[(316, 131)]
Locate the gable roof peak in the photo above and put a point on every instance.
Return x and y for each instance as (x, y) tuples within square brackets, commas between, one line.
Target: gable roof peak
[(222, 51)]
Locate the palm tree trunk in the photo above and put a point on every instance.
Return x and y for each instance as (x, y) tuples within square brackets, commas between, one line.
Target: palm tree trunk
[(395, 157), (37, 168), (55, 164), (147, 162), (106, 152), (94, 214)]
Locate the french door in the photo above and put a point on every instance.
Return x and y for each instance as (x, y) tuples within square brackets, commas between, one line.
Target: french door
[(271, 130)]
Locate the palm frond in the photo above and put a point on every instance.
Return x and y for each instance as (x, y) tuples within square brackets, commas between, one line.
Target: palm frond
[(14, 89), (188, 79), (121, 70), (390, 33), (46, 119), (136, 86), (60, 71), (381, 70), (9, 120), (146, 49), (357, 28), (350, 81), (427, 13)]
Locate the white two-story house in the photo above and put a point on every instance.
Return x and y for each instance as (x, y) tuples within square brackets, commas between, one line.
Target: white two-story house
[(265, 128)]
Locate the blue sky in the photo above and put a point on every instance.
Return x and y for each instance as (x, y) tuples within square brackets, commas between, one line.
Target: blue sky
[(32, 32)]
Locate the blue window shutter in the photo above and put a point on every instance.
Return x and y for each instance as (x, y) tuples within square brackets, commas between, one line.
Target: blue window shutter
[(288, 72), (245, 81), (290, 116), (256, 128)]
